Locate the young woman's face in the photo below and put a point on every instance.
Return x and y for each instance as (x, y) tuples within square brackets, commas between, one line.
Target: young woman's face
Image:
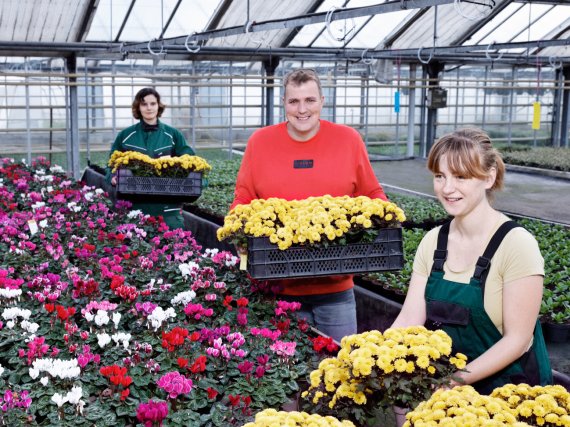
[(149, 109), (459, 195), (303, 105)]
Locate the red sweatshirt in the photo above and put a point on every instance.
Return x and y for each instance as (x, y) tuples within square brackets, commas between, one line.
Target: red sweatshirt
[(333, 162)]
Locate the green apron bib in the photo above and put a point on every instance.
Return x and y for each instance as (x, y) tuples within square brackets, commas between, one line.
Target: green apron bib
[(156, 144), (458, 309)]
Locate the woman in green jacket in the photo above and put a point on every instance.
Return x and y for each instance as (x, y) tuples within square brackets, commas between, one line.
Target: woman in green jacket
[(152, 137)]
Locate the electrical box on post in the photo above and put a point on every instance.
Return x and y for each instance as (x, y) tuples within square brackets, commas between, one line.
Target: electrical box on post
[(437, 97)]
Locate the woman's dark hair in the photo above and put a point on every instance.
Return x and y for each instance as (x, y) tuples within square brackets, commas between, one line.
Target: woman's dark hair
[(139, 97)]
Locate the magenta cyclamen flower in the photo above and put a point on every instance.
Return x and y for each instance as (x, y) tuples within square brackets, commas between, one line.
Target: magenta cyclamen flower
[(12, 400), (152, 412), (284, 306), (175, 384)]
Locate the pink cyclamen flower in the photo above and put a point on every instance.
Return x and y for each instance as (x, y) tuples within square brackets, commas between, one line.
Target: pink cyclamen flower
[(152, 412), (282, 348), (175, 384)]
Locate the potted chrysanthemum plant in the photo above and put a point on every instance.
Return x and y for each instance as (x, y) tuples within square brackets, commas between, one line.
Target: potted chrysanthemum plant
[(375, 372)]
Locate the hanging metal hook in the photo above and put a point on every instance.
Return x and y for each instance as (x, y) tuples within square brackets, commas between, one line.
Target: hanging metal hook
[(123, 52), (149, 47), (555, 64), (423, 61), (366, 60), (328, 20), (488, 55), (248, 31), (195, 47)]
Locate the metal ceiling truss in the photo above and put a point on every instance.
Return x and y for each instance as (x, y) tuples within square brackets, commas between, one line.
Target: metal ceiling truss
[(192, 47), (478, 53)]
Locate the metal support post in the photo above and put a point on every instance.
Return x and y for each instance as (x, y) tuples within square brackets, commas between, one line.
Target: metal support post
[(411, 111), (73, 160)]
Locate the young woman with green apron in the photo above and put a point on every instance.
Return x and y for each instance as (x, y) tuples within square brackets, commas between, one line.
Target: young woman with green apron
[(458, 309), (480, 276), (155, 139)]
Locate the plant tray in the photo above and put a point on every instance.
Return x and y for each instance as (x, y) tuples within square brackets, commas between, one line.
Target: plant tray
[(266, 261), (150, 188)]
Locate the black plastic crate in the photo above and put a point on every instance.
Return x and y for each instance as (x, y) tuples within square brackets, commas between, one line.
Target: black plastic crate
[(152, 188), (266, 261)]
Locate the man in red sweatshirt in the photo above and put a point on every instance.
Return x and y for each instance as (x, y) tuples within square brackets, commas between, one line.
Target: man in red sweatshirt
[(302, 157)]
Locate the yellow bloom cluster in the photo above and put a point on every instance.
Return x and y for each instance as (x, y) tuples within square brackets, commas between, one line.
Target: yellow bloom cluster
[(273, 418), (462, 407), (539, 405), (373, 362), (163, 166), (308, 221)]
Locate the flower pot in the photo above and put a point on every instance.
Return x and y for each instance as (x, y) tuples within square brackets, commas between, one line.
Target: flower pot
[(400, 414), (557, 332)]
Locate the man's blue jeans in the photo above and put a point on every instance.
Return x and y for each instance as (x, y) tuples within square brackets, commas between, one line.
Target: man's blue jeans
[(332, 314)]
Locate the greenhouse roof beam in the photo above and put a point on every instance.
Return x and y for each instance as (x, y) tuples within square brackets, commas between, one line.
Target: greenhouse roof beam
[(212, 52), (86, 22), (307, 19)]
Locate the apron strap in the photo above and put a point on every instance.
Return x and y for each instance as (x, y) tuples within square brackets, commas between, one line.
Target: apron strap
[(484, 261), (440, 254)]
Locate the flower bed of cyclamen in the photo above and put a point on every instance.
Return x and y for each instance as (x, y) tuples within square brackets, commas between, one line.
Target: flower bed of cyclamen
[(109, 318)]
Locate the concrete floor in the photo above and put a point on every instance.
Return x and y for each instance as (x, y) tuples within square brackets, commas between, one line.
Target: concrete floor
[(525, 194)]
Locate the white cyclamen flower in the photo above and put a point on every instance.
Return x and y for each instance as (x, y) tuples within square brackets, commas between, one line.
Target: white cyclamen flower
[(102, 318), (74, 207), (123, 338), (56, 169), (58, 399), (103, 339), (75, 395), (30, 327), (10, 293), (183, 298), (116, 318), (13, 313), (158, 316), (134, 214), (186, 269)]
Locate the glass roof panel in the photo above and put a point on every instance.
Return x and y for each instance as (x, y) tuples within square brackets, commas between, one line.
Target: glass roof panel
[(378, 28), (539, 29), (512, 24), (191, 16), (307, 33), (147, 19), (108, 19), (360, 32)]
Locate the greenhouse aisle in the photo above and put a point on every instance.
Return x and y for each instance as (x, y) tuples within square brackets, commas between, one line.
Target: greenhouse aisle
[(525, 194)]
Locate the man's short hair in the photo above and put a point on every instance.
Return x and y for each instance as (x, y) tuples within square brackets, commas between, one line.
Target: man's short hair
[(300, 76)]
